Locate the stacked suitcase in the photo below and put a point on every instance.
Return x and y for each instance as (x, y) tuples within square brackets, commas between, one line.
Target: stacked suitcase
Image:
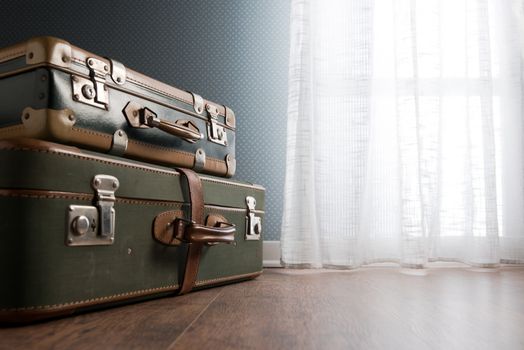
[(113, 186)]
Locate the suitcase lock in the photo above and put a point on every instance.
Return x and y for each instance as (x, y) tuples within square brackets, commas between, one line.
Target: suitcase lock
[(216, 133), (92, 91), (94, 225), (254, 223)]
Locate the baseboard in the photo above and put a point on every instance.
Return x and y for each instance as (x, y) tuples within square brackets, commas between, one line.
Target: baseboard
[(271, 256)]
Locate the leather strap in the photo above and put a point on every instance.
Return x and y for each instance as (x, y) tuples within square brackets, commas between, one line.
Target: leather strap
[(196, 197)]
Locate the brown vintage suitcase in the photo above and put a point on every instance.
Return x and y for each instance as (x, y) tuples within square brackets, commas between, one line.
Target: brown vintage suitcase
[(52, 90)]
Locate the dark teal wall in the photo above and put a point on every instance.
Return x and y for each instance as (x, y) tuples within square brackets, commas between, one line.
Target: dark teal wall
[(234, 52)]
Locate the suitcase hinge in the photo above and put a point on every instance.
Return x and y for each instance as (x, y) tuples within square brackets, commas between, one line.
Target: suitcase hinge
[(200, 160), (215, 133), (198, 102), (254, 223), (94, 225)]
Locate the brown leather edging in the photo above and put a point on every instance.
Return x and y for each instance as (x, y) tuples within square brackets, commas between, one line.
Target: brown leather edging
[(12, 129), (33, 313), (136, 149), (33, 145), (143, 151), (12, 52)]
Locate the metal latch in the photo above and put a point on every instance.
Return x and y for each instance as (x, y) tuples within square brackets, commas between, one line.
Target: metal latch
[(93, 91), (254, 223), (94, 225), (215, 133)]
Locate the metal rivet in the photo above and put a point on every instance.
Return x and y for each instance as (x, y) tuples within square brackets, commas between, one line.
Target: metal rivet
[(257, 228), (69, 240), (76, 97), (71, 117), (120, 132), (30, 55), (119, 79), (75, 78), (90, 62), (135, 113), (115, 184), (105, 67), (129, 251), (97, 182), (65, 59), (81, 225), (26, 116), (112, 239)]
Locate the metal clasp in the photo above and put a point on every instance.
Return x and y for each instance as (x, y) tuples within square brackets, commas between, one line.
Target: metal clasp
[(94, 225), (93, 91), (215, 133), (254, 223)]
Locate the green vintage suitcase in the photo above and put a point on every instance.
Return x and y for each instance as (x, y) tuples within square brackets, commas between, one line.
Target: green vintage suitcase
[(55, 91), (80, 229)]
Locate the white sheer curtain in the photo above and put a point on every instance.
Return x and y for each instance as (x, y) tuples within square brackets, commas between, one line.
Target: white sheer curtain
[(405, 133)]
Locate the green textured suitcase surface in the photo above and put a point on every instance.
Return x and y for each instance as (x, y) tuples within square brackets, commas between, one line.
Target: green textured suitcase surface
[(49, 265)]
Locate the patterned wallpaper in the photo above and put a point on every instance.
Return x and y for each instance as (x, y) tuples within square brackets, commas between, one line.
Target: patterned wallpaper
[(232, 52)]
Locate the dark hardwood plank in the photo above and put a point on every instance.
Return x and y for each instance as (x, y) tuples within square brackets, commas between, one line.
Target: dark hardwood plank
[(151, 324), (368, 308), (372, 308)]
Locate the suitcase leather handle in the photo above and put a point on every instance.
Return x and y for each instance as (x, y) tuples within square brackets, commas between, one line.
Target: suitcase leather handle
[(170, 228), (196, 233), (142, 117), (174, 129)]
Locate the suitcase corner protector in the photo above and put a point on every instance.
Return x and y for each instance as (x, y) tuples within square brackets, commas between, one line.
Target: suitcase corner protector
[(50, 50)]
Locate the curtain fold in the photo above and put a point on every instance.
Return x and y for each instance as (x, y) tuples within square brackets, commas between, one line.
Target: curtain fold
[(405, 134)]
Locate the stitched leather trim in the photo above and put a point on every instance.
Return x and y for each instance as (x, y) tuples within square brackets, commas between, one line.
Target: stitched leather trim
[(99, 300), (43, 194), (31, 145), (128, 295)]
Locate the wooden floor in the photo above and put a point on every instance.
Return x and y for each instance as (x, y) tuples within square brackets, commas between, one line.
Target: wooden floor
[(368, 308)]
